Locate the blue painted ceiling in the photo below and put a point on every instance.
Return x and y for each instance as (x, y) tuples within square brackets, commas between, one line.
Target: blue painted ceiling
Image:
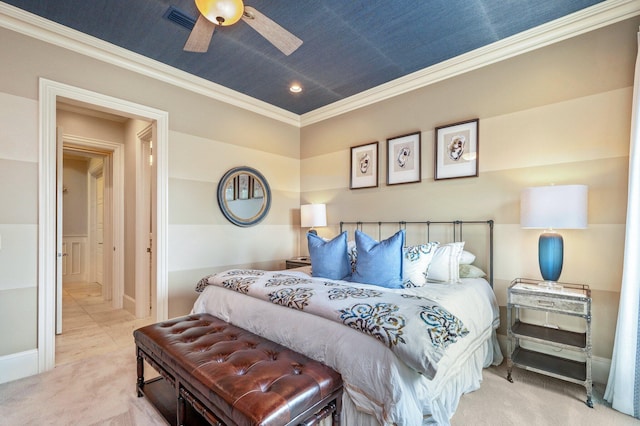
[(348, 45)]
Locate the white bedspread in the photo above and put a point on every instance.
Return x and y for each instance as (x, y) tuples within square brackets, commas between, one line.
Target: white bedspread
[(378, 386)]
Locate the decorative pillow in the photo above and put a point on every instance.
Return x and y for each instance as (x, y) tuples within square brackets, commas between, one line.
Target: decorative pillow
[(467, 258), (329, 259), (379, 263), (416, 263), (471, 271), (445, 265)]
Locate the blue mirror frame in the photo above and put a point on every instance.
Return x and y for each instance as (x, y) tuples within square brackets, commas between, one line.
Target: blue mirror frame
[(244, 196)]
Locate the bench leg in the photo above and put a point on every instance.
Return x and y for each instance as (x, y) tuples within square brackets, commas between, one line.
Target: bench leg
[(181, 410), (335, 418), (140, 369)]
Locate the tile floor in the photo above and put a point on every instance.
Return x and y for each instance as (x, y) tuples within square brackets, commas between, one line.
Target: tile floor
[(90, 326)]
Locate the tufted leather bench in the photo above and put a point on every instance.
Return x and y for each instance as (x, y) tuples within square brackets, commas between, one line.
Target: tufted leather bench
[(231, 376)]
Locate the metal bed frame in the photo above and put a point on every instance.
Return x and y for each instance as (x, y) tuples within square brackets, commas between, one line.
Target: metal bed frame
[(456, 225)]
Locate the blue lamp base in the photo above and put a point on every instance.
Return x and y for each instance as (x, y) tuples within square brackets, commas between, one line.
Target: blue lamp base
[(550, 254)]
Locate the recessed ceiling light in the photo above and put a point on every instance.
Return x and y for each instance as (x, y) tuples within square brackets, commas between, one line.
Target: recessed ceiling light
[(295, 88)]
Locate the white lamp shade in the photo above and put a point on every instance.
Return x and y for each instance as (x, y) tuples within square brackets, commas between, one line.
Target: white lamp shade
[(554, 207), (313, 215)]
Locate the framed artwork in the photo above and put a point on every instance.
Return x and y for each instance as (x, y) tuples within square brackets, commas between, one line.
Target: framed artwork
[(256, 189), (403, 159), (456, 153), (364, 166), (230, 190), (243, 186)]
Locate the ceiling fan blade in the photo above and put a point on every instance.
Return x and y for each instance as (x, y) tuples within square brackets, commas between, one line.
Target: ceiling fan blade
[(200, 36), (286, 42)]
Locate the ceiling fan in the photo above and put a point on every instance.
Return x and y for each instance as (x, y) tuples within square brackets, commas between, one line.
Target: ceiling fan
[(228, 12)]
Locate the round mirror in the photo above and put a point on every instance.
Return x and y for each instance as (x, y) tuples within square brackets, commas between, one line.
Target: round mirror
[(244, 196)]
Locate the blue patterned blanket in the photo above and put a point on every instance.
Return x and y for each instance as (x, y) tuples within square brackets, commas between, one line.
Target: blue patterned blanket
[(418, 330)]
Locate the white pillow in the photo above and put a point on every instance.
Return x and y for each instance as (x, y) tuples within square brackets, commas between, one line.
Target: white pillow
[(445, 265), (471, 271), (467, 258), (415, 263)]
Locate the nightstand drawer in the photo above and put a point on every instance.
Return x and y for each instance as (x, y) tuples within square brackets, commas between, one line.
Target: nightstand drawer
[(297, 262), (550, 303)]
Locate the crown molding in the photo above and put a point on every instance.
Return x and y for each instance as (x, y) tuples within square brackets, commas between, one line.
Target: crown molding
[(589, 19), (34, 26)]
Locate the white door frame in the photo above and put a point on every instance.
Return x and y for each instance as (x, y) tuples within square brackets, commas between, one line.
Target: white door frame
[(49, 92)]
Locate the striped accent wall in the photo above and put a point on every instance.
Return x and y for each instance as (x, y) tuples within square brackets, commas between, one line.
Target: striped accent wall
[(201, 240), (557, 115), (18, 224)]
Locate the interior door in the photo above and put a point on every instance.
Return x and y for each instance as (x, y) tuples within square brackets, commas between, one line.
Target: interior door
[(99, 265), (145, 278), (153, 224), (146, 213), (59, 251)]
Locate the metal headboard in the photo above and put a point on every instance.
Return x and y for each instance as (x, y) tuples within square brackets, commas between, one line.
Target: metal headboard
[(455, 227)]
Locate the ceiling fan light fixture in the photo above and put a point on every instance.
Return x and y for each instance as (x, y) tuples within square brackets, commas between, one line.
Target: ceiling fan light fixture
[(221, 12)]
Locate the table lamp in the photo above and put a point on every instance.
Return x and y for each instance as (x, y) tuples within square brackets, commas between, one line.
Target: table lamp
[(312, 215), (550, 208)]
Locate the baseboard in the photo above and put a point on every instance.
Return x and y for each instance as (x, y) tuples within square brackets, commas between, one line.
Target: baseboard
[(600, 369), (129, 304), (19, 365), (599, 366)]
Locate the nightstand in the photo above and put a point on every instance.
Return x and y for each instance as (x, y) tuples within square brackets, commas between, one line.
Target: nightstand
[(297, 262), (572, 300)]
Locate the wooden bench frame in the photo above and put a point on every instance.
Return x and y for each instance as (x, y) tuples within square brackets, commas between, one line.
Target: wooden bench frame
[(180, 403)]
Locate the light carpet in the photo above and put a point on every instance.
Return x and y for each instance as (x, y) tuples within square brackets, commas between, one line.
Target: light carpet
[(534, 400), (101, 391)]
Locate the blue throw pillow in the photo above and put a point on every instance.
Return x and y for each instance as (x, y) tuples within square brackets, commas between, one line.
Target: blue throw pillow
[(329, 259), (379, 263)]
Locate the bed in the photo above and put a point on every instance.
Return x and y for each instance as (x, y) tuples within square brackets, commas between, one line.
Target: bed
[(405, 377)]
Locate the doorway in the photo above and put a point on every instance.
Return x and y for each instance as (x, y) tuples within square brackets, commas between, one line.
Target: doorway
[(95, 310), (73, 209), (49, 255), (86, 319), (83, 224)]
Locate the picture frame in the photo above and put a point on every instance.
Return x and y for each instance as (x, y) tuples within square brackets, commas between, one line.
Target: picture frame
[(230, 190), (364, 166), (456, 150), (403, 159), (243, 187), (256, 189)]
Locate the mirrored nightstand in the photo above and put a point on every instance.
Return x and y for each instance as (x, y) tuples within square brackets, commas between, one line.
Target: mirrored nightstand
[(571, 299)]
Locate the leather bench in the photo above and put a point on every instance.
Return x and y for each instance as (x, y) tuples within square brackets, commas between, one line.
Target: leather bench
[(230, 376)]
